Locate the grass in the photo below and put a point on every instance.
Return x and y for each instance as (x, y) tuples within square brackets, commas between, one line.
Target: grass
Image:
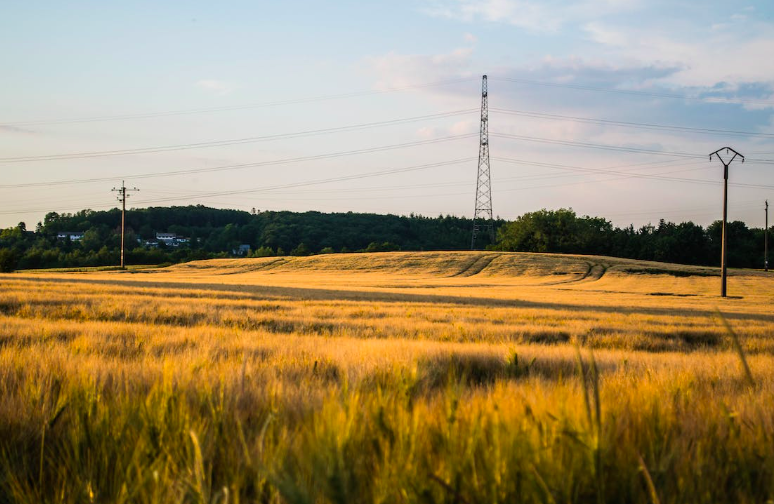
[(386, 378)]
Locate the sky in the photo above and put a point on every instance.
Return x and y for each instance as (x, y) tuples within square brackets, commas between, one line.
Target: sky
[(609, 107)]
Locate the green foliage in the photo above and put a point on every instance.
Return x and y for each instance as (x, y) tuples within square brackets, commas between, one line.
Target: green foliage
[(301, 250), (554, 231), (7, 261), (216, 233), (562, 231), (381, 247), (262, 252)]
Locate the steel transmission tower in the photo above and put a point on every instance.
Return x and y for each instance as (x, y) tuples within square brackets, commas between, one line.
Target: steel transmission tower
[(483, 221)]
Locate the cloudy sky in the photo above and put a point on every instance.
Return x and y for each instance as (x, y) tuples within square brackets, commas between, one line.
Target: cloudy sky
[(606, 106)]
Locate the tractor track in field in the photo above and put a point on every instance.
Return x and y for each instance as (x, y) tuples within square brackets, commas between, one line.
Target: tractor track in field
[(594, 273), (268, 265), (476, 266)]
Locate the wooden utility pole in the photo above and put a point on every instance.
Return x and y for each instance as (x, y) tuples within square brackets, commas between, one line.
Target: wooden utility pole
[(766, 240), (122, 198), (724, 244)]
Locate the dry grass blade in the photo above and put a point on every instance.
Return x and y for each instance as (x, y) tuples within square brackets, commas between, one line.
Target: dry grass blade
[(584, 385), (198, 462), (648, 481), (543, 486), (454, 493)]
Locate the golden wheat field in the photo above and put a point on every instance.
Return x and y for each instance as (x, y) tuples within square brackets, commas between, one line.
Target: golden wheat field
[(458, 377)]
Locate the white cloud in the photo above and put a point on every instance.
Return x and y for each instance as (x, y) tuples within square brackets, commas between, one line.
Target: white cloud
[(470, 38), (397, 70), (9, 128), (718, 53), (426, 132), (464, 127), (736, 49), (218, 87), (532, 15), (605, 35)]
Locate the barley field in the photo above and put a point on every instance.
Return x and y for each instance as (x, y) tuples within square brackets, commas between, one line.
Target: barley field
[(465, 377)]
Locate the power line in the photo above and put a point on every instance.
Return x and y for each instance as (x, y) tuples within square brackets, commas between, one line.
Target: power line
[(166, 190), (603, 171), (641, 175), (427, 195), (184, 196), (617, 175), (588, 145), (616, 148), (286, 186), (246, 165), (323, 181), (650, 126), (295, 101), (684, 210), (234, 141), (707, 99)]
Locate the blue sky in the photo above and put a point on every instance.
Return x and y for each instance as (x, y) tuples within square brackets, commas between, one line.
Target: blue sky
[(268, 63)]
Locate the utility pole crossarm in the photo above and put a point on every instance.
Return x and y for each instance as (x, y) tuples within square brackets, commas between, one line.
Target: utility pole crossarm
[(727, 150)]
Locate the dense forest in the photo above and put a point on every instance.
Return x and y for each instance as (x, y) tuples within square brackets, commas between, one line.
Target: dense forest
[(220, 233), (211, 232)]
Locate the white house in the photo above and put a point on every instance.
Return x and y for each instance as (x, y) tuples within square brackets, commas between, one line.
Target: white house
[(70, 235), (170, 239), (243, 250), (166, 237)]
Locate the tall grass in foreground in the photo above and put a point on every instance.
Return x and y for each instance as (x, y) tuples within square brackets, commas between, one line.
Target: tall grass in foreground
[(492, 430)]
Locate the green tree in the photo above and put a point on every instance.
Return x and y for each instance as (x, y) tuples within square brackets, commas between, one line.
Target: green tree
[(263, 252), (301, 250), (8, 260), (555, 231)]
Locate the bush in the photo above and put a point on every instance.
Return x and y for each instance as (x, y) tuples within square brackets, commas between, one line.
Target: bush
[(263, 252), (8, 261), (381, 247), (301, 250)]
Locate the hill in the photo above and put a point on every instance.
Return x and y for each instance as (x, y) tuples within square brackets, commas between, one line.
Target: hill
[(453, 264)]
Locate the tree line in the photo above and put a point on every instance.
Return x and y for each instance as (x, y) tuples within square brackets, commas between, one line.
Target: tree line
[(220, 233), (563, 231), (216, 233)]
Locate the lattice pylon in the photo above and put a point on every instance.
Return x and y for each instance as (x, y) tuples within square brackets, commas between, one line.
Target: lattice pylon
[(483, 219)]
